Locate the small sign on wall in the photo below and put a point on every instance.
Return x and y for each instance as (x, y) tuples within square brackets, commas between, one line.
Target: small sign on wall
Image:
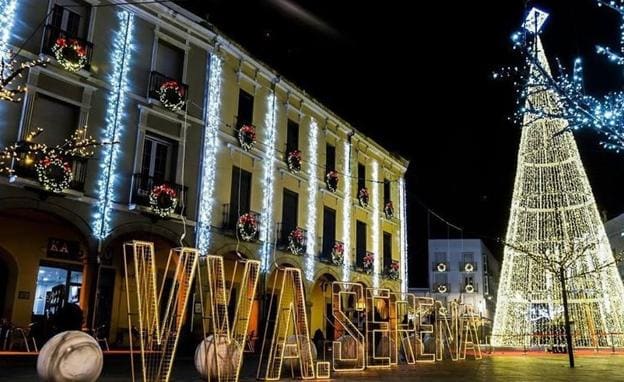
[(63, 249), (23, 295)]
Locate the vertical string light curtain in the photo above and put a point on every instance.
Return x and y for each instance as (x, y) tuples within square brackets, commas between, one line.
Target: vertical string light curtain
[(115, 120), (268, 181), (210, 149)]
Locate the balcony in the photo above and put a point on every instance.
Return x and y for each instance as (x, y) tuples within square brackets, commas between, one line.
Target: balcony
[(52, 33), (142, 186), (359, 262), (440, 266), (79, 171), (156, 80), (230, 219), (282, 237), (468, 266)]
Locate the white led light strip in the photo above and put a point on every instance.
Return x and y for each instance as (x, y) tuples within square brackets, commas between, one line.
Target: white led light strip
[(403, 217), (268, 192), (209, 159), (7, 19), (346, 207), (115, 119), (312, 191), (376, 229)]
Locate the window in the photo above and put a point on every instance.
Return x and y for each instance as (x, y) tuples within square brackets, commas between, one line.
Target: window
[(360, 242), (361, 176), (170, 60), (245, 109), (468, 281), (240, 195), (486, 284), (387, 249), (440, 257), (485, 263), (158, 158), (330, 158), (386, 191), (440, 278), (289, 214), (292, 136), (58, 119), (72, 17), (56, 286), (329, 232)]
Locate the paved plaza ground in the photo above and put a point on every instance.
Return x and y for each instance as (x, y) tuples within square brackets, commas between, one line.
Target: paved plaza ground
[(499, 367)]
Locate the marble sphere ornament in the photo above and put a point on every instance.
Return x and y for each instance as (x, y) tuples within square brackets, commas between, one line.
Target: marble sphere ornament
[(71, 356)]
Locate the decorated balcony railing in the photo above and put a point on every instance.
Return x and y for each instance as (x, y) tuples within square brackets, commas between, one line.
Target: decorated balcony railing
[(52, 34), (156, 82), (230, 220), (26, 169), (468, 266), (143, 185)]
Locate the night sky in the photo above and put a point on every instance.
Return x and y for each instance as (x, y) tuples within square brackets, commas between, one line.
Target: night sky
[(390, 73)]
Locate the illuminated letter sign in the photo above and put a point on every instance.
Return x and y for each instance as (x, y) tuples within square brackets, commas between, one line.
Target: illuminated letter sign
[(347, 302), (157, 336), (425, 314), (290, 335), (378, 345), (222, 354), (447, 329), (469, 337)]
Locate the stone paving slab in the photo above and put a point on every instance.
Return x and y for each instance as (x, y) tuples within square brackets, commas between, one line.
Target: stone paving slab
[(503, 368)]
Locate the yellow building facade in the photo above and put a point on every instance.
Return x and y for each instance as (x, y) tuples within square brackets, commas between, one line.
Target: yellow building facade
[(72, 242)]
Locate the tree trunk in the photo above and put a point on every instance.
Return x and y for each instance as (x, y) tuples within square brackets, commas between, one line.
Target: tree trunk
[(566, 315)]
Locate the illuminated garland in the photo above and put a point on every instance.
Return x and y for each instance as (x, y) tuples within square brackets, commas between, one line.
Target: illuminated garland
[(247, 227), (268, 182), (393, 270), (209, 152), (442, 288), (369, 261), (468, 267), (376, 224), (389, 210), (70, 54), (296, 241), (469, 288), (337, 254), (294, 161), (171, 95), (247, 137), (331, 180), (121, 56), (441, 267), (312, 173), (163, 200), (54, 173), (346, 211), (363, 197), (403, 232)]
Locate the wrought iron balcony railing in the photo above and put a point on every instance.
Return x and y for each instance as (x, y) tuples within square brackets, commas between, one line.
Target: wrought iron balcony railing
[(25, 169), (52, 33), (156, 80), (142, 186)]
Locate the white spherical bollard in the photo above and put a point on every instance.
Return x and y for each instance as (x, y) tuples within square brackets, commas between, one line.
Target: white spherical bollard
[(226, 356), (71, 356)]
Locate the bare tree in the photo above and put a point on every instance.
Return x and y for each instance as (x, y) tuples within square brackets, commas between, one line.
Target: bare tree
[(568, 261)]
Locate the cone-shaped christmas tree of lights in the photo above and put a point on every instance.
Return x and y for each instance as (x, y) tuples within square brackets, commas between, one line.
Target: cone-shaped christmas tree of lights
[(554, 216)]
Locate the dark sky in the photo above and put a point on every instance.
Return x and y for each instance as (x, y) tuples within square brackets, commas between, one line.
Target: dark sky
[(423, 69)]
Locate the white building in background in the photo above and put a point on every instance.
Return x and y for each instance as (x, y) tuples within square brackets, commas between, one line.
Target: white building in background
[(615, 230), (464, 270)]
